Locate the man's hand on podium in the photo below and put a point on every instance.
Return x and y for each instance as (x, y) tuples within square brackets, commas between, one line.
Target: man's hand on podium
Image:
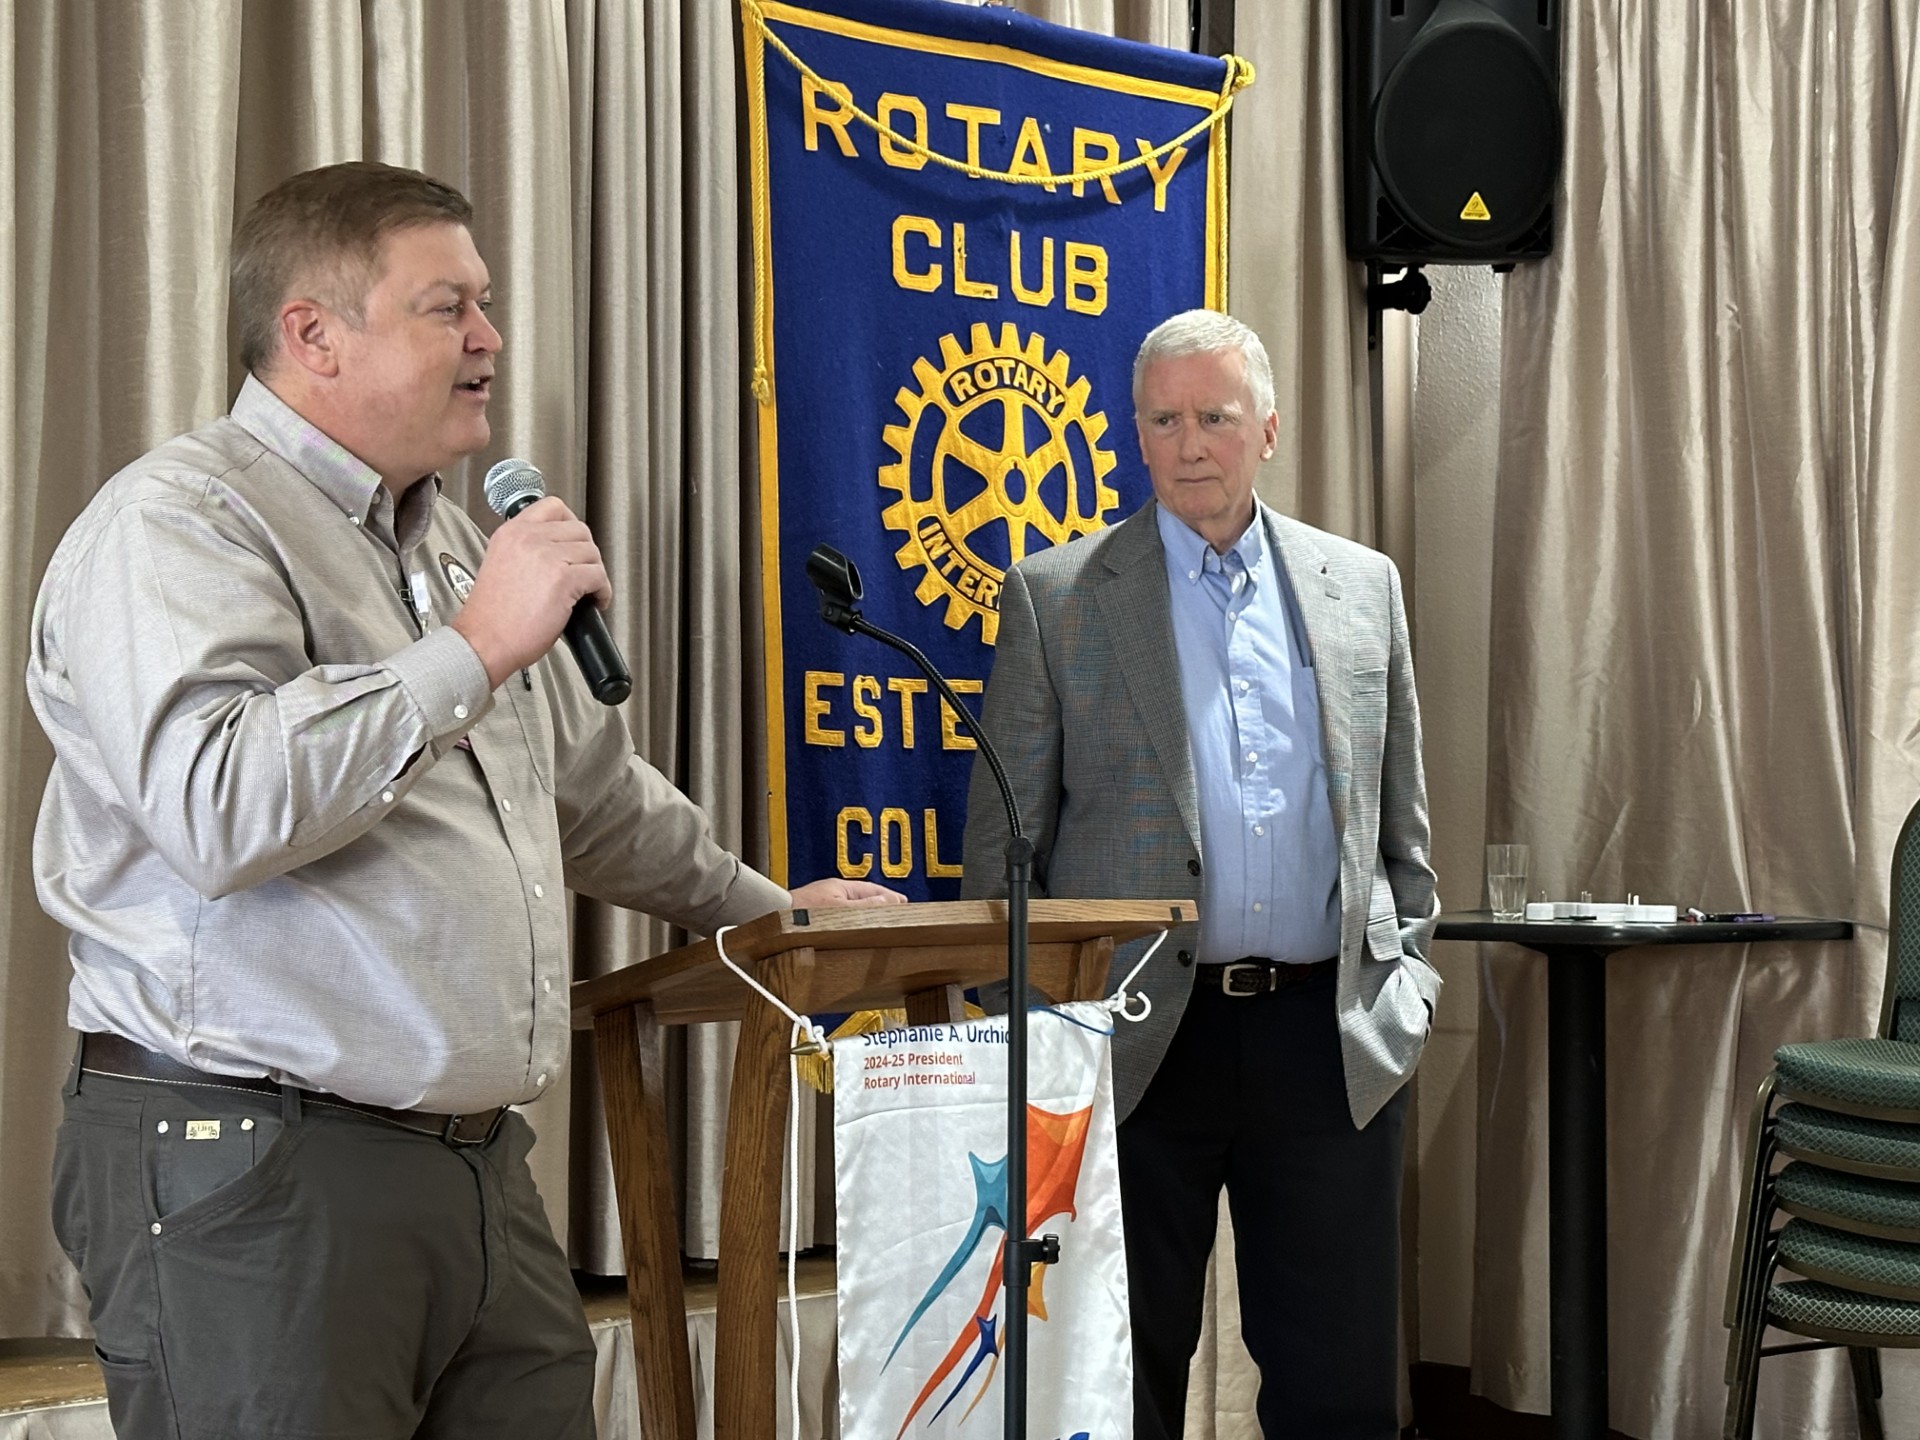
[(834, 891)]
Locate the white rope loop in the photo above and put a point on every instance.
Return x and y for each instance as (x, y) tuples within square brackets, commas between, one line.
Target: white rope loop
[(816, 1038), (1120, 1000), (805, 1038), (794, 1092)]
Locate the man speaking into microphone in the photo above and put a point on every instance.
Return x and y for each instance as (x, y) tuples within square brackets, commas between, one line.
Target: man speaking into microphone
[(319, 790)]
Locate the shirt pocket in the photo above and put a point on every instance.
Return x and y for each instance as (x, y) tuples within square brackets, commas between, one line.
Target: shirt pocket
[(529, 706)]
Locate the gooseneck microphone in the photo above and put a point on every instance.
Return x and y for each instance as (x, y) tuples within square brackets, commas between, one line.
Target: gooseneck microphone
[(511, 487), (838, 580)]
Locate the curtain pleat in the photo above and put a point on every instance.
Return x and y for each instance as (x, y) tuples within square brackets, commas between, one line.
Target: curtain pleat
[(121, 140), (1683, 494), (602, 145)]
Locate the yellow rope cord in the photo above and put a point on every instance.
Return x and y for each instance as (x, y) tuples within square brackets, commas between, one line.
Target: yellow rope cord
[(1239, 75), (762, 385)]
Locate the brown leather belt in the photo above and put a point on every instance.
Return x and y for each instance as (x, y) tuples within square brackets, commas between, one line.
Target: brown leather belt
[(104, 1054), (1257, 975)]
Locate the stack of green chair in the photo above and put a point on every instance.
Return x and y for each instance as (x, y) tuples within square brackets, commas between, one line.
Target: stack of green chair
[(1849, 1129)]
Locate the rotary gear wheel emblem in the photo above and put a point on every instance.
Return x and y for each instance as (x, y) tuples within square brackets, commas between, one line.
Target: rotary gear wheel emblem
[(998, 447)]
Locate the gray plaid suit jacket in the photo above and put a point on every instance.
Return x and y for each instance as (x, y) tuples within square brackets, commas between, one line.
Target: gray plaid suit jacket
[(1085, 706)]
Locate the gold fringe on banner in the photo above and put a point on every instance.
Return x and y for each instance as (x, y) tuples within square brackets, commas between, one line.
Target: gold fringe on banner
[(816, 1067)]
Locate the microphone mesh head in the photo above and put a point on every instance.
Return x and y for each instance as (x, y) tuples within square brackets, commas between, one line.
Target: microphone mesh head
[(509, 481)]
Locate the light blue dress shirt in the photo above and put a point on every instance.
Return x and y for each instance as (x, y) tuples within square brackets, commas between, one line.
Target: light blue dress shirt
[(1270, 859)]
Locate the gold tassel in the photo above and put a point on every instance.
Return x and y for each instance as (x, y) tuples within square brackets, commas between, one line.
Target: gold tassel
[(816, 1066)]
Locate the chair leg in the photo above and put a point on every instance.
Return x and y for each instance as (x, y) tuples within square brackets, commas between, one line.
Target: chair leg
[(1865, 1362), (1750, 1318), (1744, 1385), (1747, 1297), (1759, 1159)]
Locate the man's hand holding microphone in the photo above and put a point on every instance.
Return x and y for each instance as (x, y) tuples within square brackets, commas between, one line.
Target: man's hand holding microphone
[(543, 577)]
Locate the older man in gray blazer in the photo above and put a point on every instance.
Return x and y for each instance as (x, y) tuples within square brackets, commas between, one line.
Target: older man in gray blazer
[(1210, 699)]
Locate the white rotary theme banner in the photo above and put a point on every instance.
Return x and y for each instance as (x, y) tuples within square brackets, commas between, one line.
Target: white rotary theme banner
[(920, 1140)]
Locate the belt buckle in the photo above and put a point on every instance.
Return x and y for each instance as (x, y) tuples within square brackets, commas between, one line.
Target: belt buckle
[(1241, 979), (452, 1133)]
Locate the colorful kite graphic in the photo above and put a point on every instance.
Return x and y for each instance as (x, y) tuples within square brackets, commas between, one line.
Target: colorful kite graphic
[(1056, 1144)]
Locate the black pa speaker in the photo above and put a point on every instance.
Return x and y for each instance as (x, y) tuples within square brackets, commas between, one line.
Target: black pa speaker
[(1452, 130)]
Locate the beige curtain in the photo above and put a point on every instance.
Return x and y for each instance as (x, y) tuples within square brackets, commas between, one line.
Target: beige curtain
[(580, 130), (1702, 682), (585, 133)]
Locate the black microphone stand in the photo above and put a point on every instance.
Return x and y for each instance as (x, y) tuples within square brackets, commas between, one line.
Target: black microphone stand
[(838, 581)]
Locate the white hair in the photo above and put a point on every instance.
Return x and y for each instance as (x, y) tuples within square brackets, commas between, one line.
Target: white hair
[(1199, 332)]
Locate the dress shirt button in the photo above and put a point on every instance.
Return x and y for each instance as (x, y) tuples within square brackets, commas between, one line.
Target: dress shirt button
[(541, 1078), (1259, 829), (1193, 867), (459, 712), (1245, 685), (161, 1127), (1185, 957), (506, 805), (546, 987), (1256, 907), (1193, 574), (356, 520), (247, 1124), (155, 1227), (539, 892), (387, 795), (1252, 755)]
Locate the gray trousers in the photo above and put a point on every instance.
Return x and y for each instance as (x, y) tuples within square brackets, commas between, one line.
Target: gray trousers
[(258, 1268)]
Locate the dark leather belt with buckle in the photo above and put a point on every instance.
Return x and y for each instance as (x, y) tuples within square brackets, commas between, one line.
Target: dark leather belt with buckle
[(114, 1055), (1257, 975)]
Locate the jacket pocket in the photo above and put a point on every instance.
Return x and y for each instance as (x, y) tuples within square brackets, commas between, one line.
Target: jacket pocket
[(1383, 937)]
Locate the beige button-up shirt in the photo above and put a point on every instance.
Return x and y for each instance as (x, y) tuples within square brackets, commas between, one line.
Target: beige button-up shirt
[(288, 826)]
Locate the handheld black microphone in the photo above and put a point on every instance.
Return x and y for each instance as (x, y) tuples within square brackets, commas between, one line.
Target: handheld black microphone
[(511, 487)]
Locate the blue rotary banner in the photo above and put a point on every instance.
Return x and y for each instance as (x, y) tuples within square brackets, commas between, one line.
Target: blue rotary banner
[(964, 222)]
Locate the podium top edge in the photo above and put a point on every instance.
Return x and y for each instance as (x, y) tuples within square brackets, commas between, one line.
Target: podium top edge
[(935, 923)]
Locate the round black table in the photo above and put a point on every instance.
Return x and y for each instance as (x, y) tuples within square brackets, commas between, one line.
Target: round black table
[(1577, 951)]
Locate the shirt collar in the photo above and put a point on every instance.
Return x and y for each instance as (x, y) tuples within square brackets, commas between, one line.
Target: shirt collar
[(342, 477), (1187, 551)]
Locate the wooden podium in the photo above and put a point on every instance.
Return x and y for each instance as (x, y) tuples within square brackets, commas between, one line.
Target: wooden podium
[(819, 962)]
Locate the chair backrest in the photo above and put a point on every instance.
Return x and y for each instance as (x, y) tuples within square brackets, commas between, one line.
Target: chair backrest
[(1900, 1007)]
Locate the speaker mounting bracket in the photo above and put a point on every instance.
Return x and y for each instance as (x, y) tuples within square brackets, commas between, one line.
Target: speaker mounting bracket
[(1410, 293)]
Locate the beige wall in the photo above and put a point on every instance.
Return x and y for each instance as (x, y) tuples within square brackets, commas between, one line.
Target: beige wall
[(1453, 447)]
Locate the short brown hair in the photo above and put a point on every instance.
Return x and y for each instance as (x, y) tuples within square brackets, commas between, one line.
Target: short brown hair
[(323, 229)]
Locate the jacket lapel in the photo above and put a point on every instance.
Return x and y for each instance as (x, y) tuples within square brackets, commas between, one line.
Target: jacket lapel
[(1324, 613), (1134, 606)]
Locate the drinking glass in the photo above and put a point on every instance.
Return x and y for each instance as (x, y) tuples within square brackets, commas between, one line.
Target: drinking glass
[(1507, 881)]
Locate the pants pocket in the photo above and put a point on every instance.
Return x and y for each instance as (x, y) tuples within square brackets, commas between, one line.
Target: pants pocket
[(189, 1159), (137, 1402)]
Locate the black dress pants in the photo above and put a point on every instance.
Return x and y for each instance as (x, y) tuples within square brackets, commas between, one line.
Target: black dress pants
[(1252, 1096)]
